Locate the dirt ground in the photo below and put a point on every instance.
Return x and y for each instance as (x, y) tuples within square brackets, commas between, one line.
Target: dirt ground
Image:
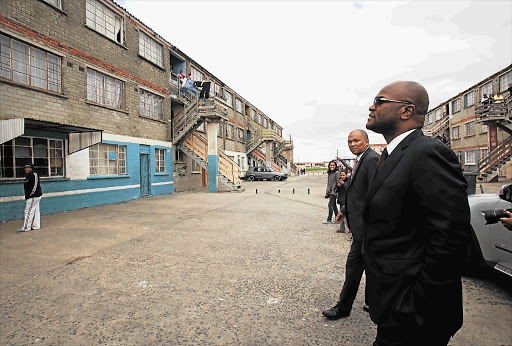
[(198, 268)]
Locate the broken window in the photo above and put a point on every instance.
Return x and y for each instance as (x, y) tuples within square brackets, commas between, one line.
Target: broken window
[(102, 19)]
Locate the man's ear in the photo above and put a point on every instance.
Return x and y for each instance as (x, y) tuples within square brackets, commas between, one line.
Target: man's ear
[(407, 112)]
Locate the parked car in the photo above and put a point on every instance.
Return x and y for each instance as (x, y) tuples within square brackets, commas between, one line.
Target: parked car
[(491, 241), (262, 173)]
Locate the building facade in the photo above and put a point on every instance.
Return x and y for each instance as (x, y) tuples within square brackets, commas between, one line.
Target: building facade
[(87, 93), (477, 130)]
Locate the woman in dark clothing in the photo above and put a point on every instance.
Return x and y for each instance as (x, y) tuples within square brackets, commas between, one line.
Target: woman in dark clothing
[(341, 187), (333, 176)]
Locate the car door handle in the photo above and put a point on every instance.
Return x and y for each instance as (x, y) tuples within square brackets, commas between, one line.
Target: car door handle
[(502, 247)]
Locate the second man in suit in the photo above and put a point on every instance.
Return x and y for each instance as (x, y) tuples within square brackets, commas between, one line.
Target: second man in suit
[(363, 172)]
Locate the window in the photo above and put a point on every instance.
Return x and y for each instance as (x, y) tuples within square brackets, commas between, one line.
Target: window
[(253, 114), (485, 89), (29, 65), (259, 118), (151, 105), (103, 20), (484, 152), (469, 128), (456, 132), (239, 106), (469, 99), (107, 159), (178, 156), (196, 168), (202, 127), (229, 131), (228, 97), (470, 157), (429, 118), (55, 3), (219, 129), (483, 128), (159, 160), (438, 114), (505, 80), (456, 106), (46, 154), (150, 49), (218, 90), (104, 89), (265, 123), (195, 74), (241, 136)]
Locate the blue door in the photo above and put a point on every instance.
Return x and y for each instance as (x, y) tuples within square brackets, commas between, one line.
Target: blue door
[(144, 175)]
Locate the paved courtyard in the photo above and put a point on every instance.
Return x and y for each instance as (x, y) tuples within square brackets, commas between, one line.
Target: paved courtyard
[(197, 268)]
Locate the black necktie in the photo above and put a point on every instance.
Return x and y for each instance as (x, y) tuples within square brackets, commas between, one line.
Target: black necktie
[(382, 159)]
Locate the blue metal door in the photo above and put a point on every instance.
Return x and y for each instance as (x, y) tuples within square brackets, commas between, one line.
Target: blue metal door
[(144, 175)]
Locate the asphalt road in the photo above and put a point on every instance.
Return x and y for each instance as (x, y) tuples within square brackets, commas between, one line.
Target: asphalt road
[(197, 268)]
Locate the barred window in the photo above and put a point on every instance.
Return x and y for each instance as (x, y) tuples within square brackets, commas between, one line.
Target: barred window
[(159, 160), (47, 155), (456, 106), (105, 89), (102, 19), (29, 65), (150, 49), (107, 159), (151, 105), (505, 80)]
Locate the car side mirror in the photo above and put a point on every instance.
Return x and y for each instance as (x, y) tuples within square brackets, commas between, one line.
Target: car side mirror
[(506, 192)]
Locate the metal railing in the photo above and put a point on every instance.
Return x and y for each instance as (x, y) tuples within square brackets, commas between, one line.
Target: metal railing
[(496, 156)]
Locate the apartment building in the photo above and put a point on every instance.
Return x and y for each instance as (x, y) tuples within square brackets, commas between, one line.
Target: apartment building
[(478, 131), (87, 93)]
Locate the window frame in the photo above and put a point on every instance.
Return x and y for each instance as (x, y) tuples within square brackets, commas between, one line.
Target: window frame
[(240, 134), (438, 114), (115, 25), (458, 132), (117, 105), (458, 104), (468, 160), (239, 104), (159, 105), (229, 100), (158, 62), (33, 159), (466, 98), (117, 160), (160, 166), (50, 68), (58, 6), (469, 129), (504, 80), (484, 129), (483, 89)]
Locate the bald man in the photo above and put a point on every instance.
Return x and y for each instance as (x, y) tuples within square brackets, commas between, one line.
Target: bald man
[(416, 225)]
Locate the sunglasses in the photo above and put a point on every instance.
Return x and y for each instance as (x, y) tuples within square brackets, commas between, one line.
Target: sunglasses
[(380, 100)]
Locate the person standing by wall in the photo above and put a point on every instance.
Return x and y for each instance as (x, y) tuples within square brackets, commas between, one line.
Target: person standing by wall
[(33, 194), (333, 176)]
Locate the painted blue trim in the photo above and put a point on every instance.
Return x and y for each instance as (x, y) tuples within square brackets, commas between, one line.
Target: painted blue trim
[(131, 182), (213, 172), (94, 177)]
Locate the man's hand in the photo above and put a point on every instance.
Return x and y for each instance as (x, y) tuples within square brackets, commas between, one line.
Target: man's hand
[(339, 217), (507, 221)]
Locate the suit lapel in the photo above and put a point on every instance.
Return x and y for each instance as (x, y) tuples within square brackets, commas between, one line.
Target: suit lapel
[(389, 165), (356, 167)]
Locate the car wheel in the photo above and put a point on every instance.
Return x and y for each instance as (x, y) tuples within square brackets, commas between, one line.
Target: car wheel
[(277, 178), (250, 178)]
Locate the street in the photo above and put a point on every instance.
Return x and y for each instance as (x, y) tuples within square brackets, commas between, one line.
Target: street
[(200, 268)]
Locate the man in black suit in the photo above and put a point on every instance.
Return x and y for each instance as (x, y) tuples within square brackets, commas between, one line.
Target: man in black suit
[(364, 170), (416, 225)]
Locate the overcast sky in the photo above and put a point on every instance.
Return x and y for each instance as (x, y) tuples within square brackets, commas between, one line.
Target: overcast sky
[(315, 66)]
